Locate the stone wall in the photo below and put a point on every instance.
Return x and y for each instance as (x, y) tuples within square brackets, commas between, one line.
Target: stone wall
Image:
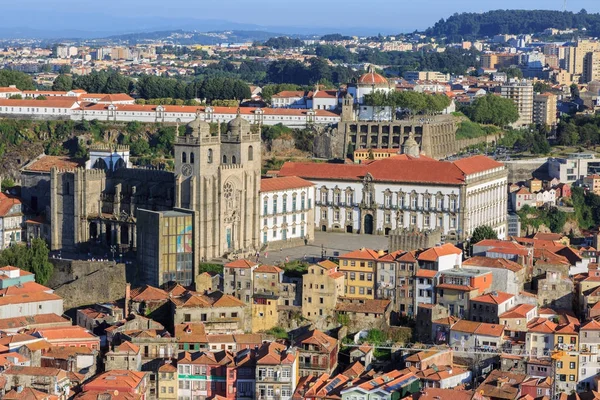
[(522, 170), (407, 240), (82, 283)]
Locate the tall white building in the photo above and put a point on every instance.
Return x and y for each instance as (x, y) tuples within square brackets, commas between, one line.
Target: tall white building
[(407, 192), (521, 92)]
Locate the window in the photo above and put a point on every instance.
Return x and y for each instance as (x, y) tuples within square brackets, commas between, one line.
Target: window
[(413, 202), (192, 158), (250, 153), (413, 219), (209, 157), (440, 203), (427, 220), (224, 159), (324, 197), (183, 157), (426, 202), (453, 204), (275, 205), (571, 365), (337, 198), (265, 207), (324, 214), (233, 160)]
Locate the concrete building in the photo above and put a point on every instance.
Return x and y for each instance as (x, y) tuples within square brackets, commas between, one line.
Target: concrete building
[(488, 307), (521, 93), (126, 356), (545, 109), (426, 76), (321, 287), (167, 382), (593, 183), (52, 381), (457, 287), (277, 371), (591, 67), (408, 193), (287, 211), (165, 246), (589, 342), (359, 268), (507, 276), (205, 374), (574, 167), (466, 334)]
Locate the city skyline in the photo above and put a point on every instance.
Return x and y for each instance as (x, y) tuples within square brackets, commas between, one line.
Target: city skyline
[(134, 16)]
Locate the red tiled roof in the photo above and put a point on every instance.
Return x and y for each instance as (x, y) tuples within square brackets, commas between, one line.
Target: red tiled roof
[(241, 263), (497, 298), (268, 269), (518, 311), (480, 328), (116, 380), (60, 102), (487, 262), (361, 254), (373, 78), (283, 183), (476, 164), (426, 273), (45, 163), (6, 203), (433, 253)]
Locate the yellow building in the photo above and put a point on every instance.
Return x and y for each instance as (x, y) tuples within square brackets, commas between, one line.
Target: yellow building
[(359, 268), (264, 313), (361, 155), (566, 341), (593, 183), (545, 107), (167, 382), (535, 185), (321, 287)]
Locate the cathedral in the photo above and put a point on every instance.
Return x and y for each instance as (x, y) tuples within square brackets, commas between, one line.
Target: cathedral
[(216, 176)]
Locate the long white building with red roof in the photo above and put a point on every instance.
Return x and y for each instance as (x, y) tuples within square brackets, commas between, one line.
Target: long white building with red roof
[(411, 193), (121, 108)]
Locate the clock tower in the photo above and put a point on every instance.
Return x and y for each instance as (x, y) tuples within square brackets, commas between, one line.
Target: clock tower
[(218, 177)]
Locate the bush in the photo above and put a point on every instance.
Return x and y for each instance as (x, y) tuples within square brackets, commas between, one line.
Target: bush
[(278, 332)]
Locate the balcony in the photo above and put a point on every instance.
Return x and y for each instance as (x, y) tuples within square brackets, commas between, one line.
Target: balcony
[(273, 379), (311, 365)]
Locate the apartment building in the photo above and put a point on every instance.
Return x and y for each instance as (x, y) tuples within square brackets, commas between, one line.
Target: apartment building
[(360, 268), (205, 374), (238, 279), (277, 372), (321, 287), (318, 353), (545, 109), (456, 287), (521, 93)]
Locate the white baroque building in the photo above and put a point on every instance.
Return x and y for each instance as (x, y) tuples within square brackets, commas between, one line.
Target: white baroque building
[(287, 211), (407, 192)]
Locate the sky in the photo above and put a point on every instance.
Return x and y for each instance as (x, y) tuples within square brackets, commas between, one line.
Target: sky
[(387, 15)]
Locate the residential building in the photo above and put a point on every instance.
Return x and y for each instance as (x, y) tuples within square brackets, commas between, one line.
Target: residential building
[(589, 345), (53, 381), (11, 220), (321, 287), (133, 382), (521, 93), (68, 336), (359, 268), (277, 372), (500, 384), (318, 353), (488, 307), (287, 212), (76, 360), (507, 276), (572, 168), (407, 192), (592, 182), (591, 67), (566, 341), (205, 374), (466, 334), (392, 385), (517, 319), (126, 356), (22, 296), (364, 314), (167, 382), (457, 287), (545, 109), (191, 336), (362, 155), (540, 337), (238, 279), (426, 76)]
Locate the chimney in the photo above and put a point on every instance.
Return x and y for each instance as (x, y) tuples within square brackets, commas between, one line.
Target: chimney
[(127, 298)]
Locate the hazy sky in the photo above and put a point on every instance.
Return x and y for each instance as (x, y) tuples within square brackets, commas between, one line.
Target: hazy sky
[(397, 15)]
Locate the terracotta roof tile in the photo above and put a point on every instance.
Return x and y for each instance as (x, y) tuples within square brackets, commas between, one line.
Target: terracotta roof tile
[(493, 298), (433, 253), (241, 263), (283, 183), (45, 163)]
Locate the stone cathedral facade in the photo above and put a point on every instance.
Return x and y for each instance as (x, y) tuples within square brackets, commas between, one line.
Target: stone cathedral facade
[(218, 177)]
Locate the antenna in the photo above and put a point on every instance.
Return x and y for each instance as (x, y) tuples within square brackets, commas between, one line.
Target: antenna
[(565, 6)]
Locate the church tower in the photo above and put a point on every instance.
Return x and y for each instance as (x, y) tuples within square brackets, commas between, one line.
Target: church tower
[(218, 176), (347, 108), (410, 146)]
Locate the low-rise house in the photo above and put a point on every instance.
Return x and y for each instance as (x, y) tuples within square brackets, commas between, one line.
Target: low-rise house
[(362, 354), (132, 382), (507, 276), (126, 356), (489, 307), (589, 363), (220, 313), (277, 371), (317, 352), (21, 393), (476, 335), (457, 287), (53, 381), (16, 324), (516, 320), (501, 385), (426, 359), (235, 342), (11, 220), (536, 387), (206, 374), (444, 376), (167, 382), (392, 385), (364, 314), (539, 340), (322, 285), (21, 296), (238, 279), (75, 336), (191, 336), (78, 360)]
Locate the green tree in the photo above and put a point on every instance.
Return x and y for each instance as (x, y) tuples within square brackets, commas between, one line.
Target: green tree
[(492, 109), (21, 80), (41, 98), (63, 83), (483, 232), (32, 258), (16, 97), (574, 90)]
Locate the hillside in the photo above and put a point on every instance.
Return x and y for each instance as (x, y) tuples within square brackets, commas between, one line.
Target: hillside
[(476, 25)]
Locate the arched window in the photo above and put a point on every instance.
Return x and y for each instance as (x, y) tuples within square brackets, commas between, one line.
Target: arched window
[(250, 153), (209, 158), (191, 158), (183, 157), (224, 159), (233, 159)]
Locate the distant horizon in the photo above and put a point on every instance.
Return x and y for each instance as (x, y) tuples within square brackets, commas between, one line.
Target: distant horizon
[(100, 19)]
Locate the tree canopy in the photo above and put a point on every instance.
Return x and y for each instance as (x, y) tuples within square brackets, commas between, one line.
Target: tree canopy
[(483, 232), (412, 102), (21, 80), (32, 258), (283, 42), (492, 109), (476, 25)]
